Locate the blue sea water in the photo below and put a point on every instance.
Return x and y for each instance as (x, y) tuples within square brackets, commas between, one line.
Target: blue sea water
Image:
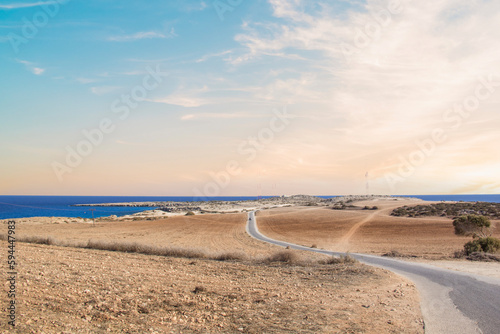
[(464, 198), (61, 206)]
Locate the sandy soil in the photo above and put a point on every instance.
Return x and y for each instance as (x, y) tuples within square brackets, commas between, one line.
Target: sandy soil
[(490, 269), (69, 290), (364, 231), (431, 239)]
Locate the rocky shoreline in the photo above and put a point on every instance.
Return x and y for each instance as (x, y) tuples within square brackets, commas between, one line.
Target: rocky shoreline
[(294, 199), (201, 207), (159, 210)]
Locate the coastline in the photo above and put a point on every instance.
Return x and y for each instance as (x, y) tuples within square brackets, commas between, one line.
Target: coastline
[(165, 209)]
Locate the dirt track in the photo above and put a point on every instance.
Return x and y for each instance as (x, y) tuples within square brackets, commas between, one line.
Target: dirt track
[(364, 231)]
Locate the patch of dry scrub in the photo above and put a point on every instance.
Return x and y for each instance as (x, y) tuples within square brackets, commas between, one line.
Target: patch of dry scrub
[(343, 259)]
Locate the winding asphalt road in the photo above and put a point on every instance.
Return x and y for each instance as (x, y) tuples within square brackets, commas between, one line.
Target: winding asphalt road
[(451, 302)]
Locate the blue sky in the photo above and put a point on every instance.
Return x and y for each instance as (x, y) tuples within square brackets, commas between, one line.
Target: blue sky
[(370, 88)]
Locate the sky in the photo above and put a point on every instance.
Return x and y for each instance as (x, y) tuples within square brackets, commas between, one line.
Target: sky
[(238, 97)]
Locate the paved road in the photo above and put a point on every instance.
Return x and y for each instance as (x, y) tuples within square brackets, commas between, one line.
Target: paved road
[(452, 302)]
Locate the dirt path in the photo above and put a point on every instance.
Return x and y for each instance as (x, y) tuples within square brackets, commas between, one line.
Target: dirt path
[(344, 240), (365, 231)]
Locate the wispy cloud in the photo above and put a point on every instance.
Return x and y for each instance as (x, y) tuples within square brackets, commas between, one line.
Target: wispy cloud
[(370, 87), (143, 35), (205, 116), (86, 80), (183, 101), (416, 69), (188, 98), (27, 4), (38, 70), (31, 67), (102, 90), (212, 55), (194, 7), (134, 73)]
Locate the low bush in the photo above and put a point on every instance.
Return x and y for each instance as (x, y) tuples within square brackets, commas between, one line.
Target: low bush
[(483, 257), (393, 253), (491, 210), (199, 289), (485, 245), (190, 213), (230, 257), (459, 254), (283, 256), (343, 259), (126, 247), (38, 240)]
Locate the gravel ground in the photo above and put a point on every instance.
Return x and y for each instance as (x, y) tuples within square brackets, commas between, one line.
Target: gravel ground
[(70, 290)]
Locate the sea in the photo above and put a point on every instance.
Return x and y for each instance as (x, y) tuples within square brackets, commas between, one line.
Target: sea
[(12, 207)]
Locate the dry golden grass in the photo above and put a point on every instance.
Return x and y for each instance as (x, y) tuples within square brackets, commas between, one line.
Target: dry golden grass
[(364, 231), (210, 233), (308, 226)]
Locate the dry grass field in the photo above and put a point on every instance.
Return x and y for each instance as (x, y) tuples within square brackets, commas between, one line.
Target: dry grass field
[(364, 231), (210, 233), (71, 290)]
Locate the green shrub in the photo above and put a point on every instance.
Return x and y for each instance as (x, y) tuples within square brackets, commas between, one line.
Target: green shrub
[(485, 245), (472, 225), (472, 247)]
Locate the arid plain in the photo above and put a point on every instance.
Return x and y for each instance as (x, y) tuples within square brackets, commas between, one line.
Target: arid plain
[(365, 231), (69, 289)]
